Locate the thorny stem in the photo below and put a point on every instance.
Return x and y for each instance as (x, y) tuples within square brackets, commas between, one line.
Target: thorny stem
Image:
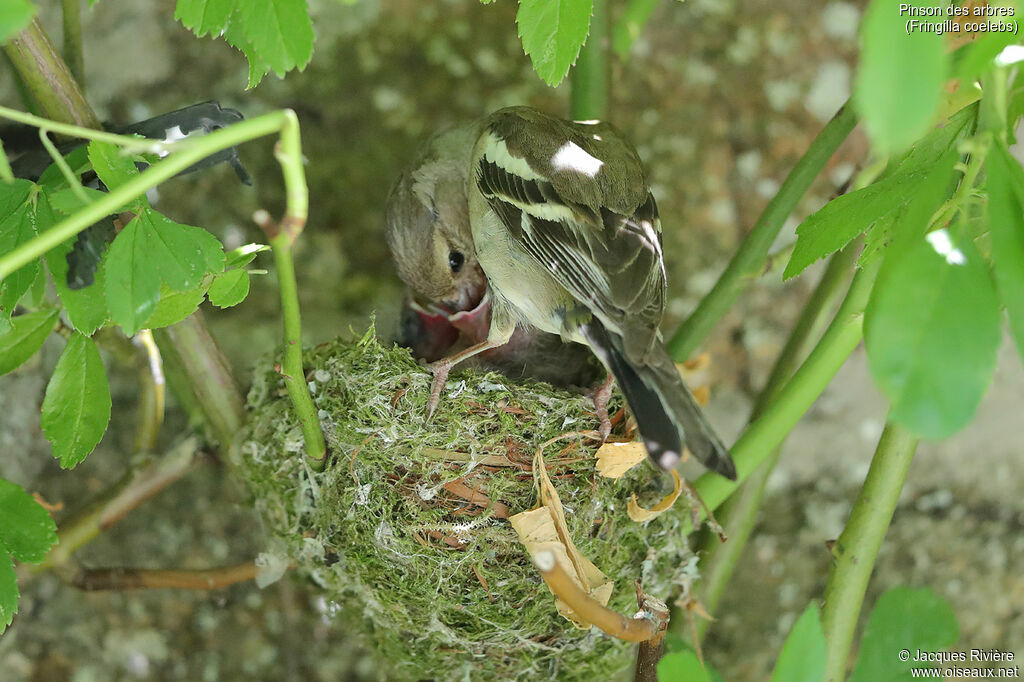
[(590, 78), (739, 513), (857, 548), (749, 259), (799, 393)]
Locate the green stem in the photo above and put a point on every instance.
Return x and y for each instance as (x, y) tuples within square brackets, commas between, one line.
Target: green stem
[(48, 78), (71, 10), (739, 513), (590, 78), (800, 392), (289, 154), (188, 348), (198, 149), (857, 548), (62, 165), (748, 260)]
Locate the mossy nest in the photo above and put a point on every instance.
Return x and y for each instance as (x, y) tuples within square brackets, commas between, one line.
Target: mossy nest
[(440, 587)]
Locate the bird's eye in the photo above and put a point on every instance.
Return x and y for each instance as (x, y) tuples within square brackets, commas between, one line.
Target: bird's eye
[(455, 260)]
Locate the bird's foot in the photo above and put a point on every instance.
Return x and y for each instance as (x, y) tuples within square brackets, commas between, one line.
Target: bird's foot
[(601, 396), (440, 371)]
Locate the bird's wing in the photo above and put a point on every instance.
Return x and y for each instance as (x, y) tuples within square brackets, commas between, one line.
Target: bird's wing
[(574, 196)]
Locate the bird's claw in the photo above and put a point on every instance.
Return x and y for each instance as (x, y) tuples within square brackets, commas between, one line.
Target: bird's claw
[(440, 371), (602, 395)]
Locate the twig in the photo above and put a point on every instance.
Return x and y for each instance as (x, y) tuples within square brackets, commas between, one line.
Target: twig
[(71, 11), (133, 489), (96, 579), (151, 400), (857, 548), (749, 258), (474, 496), (650, 651), (641, 627)]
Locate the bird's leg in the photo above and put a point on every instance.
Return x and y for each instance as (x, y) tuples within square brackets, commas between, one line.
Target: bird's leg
[(441, 368), (602, 394)]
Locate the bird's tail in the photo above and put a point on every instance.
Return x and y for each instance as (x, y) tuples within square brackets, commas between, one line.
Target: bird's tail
[(665, 410)]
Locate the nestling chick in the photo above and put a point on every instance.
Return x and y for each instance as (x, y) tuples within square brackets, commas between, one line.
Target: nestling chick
[(567, 234), (428, 231)]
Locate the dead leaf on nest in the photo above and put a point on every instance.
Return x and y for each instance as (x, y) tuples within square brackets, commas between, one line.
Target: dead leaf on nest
[(615, 459), (639, 514), (544, 528)]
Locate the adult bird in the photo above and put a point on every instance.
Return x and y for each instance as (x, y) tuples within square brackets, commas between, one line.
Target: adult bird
[(566, 232)]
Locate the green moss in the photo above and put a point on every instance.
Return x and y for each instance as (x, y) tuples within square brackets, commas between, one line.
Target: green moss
[(371, 528)]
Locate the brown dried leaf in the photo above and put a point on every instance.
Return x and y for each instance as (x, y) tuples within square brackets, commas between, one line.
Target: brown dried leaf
[(615, 459), (640, 514)]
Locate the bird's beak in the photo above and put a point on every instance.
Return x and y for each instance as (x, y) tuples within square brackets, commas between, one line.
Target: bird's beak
[(474, 323)]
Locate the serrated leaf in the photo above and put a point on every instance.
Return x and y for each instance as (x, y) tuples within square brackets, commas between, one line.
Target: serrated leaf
[(175, 306), (236, 36), (27, 334), (151, 249), (6, 174), (229, 288), (86, 308), (931, 330), (204, 16), (243, 255), (8, 591), (115, 169), (14, 16), (903, 618), (1006, 225), (899, 78), (279, 31), (17, 226), (846, 217), (683, 666), (553, 31), (36, 294), (77, 159), (76, 408), (66, 201), (27, 532), (803, 655), (630, 24)]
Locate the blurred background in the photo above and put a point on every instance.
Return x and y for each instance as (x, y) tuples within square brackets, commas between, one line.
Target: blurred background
[(721, 98)]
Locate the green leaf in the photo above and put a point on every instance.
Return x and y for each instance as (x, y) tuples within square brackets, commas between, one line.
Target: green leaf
[(977, 57), (8, 591), (279, 31), (26, 336), (115, 169), (6, 174), (66, 201), (76, 407), (844, 218), (553, 31), (77, 159), (151, 249), (86, 308), (900, 76), (27, 532), (14, 16), (238, 38), (803, 655), (903, 619), (243, 255), (229, 288), (931, 330), (1006, 225), (204, 16), (683, 666), (36, 294), (17, 226), (630, 24), (175, 306)]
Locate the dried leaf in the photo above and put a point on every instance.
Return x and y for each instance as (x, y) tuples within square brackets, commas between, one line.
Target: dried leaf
[(544, 528), (639, 514), (615, 459)]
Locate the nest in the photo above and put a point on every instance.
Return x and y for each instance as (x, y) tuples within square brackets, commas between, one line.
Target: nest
[(406, 530)]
